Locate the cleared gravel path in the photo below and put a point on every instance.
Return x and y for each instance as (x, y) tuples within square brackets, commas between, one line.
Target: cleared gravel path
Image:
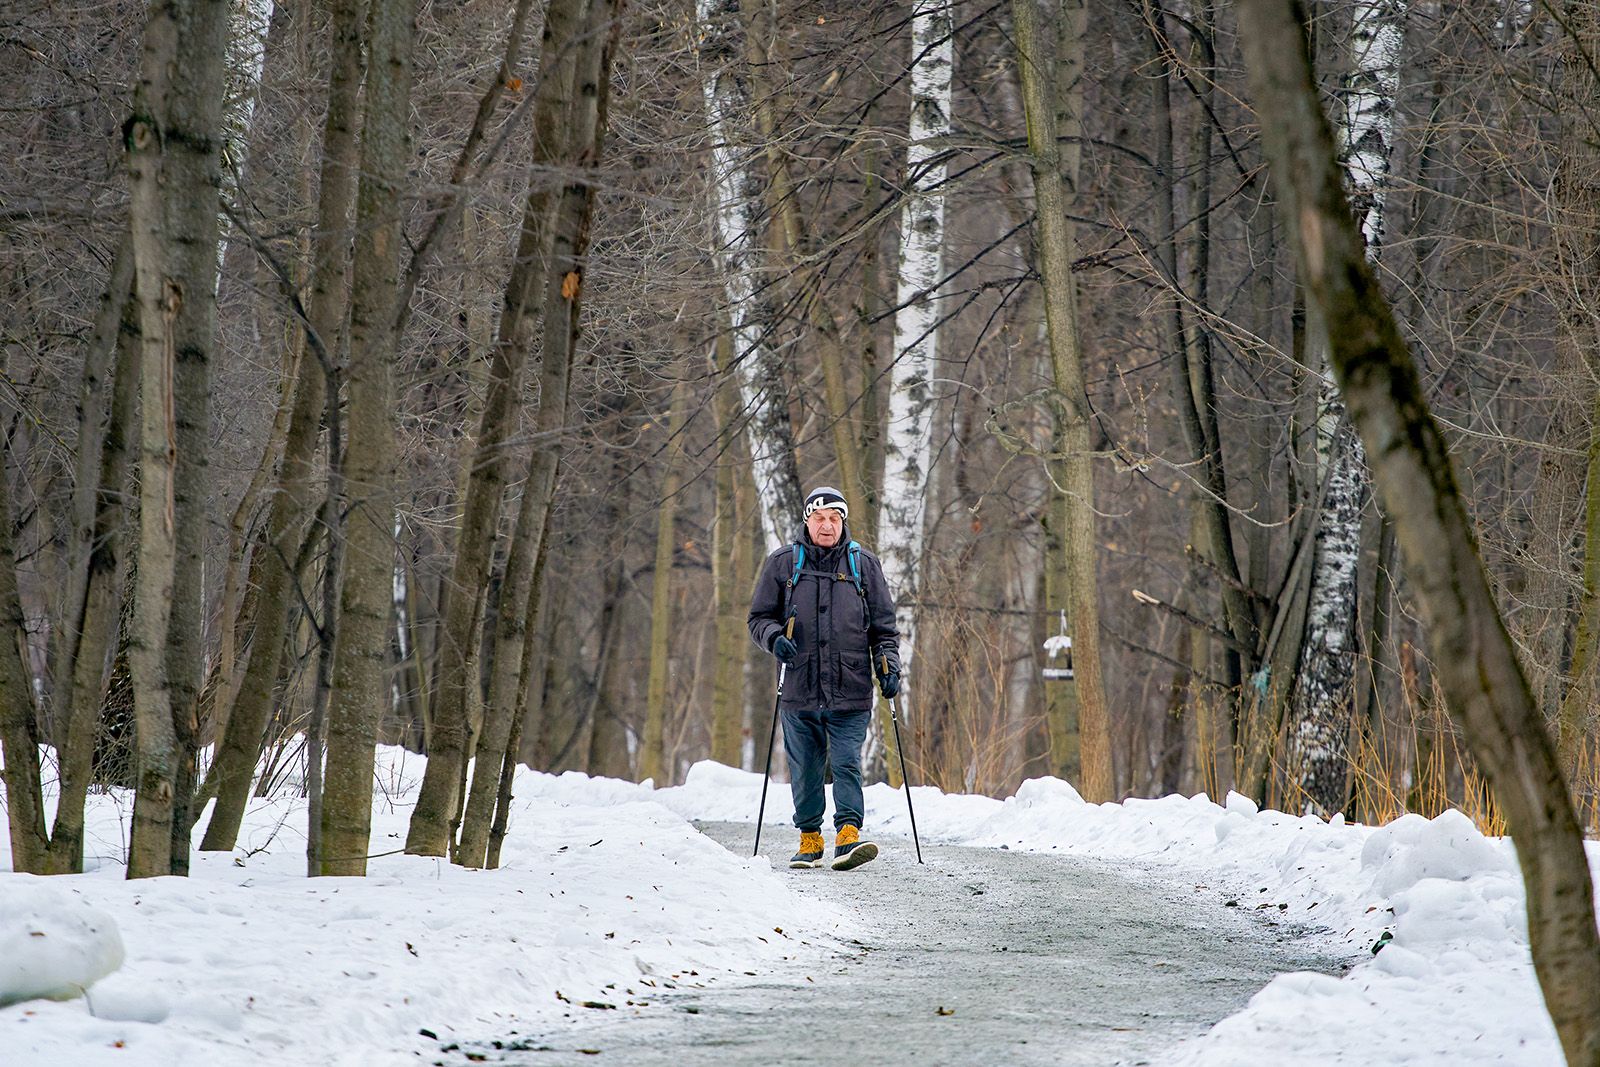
[(979, 957)]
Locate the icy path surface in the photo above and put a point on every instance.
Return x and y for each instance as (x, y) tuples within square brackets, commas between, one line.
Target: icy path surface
[(980, 956)]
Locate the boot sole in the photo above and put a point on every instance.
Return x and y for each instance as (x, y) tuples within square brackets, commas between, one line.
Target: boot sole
[(803, 865), (865, 852)]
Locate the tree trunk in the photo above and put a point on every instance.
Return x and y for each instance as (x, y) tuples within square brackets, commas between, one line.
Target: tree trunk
[(360, 669), (19, 732), (652, 756), (525, 299), (759, 706), (96, 399), (1076, 509), (239, 748), (194, 221), (1191, 377), (908, 438), (1324, 685), (174, 145), (608, 731), (243, 568), (523, 589), (739, 224), (1023, 565), (730, 578), (1323, 690), (526, 704), (1476, 662), (271, 140), (80, 696)]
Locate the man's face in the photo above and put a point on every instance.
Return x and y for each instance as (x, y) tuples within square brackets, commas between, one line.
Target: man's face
[(825, 525)]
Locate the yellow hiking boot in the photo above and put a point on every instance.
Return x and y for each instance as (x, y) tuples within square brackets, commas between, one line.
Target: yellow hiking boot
[(811, 850), (850, 851)]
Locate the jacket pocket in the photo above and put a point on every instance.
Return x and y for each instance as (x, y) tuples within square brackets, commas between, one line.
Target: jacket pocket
[(854, 681)]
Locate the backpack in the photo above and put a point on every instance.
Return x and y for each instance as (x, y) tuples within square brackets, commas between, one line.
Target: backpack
[(852, 554)]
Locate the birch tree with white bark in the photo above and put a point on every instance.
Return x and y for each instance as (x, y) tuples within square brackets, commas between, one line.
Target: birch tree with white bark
[(739, 223), (908, 436), (1324, 683)]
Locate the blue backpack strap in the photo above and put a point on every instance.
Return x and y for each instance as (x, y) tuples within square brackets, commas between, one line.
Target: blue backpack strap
[(799, 561), (853, 554)]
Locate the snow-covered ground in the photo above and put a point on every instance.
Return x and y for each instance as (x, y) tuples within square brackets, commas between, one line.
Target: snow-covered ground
[(607, 895)]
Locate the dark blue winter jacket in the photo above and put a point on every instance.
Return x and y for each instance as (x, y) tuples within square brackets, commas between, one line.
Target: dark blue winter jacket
[(844, 637)]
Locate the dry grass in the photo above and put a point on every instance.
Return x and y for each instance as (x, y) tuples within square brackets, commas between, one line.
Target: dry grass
[(1421, 765)]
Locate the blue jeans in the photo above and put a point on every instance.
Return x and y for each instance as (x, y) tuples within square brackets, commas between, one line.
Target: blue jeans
[(812, 739)]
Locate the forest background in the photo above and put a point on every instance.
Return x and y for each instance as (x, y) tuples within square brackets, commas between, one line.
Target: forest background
[(530, 324)]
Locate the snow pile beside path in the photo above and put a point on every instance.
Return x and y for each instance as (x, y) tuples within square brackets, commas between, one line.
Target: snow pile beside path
[(247, 961), (1453, 979), (1454, 983), (606, 895), (52, 944)]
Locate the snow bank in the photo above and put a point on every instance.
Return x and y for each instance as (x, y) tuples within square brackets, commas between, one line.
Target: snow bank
[(53, 945), (605, 898)]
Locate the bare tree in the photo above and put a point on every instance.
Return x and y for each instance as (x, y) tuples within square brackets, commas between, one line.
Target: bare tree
[(908, 435), (733, 568), (522, 591), (174, 150), (1476, 662), (1038, 72), (85, 646), (361, 663), (19, 734), (1578, 201), (1324, 687), (738, 224), (526, 292), (295, 501), (652, 756)]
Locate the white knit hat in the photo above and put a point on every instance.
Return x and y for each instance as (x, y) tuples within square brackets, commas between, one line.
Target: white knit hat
[(827, 497)]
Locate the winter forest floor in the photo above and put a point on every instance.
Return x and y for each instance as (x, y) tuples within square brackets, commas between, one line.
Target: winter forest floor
[(979, 956), (629, 925)]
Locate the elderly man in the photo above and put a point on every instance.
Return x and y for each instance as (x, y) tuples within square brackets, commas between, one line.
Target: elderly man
[(834, 593)]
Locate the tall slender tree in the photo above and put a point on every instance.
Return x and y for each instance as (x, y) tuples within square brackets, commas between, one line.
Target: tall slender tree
[(733, 574), (486, 462), (1323, 696), (19, 731), (295, 501), (174, 146), (83, 659), (1076, 536), (1577, 194), (652, 754), (908, 434), (738, 227), (522, 590), (361, 688)]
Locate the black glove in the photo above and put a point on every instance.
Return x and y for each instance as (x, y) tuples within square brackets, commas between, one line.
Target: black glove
[(784, 649), (889, 685)]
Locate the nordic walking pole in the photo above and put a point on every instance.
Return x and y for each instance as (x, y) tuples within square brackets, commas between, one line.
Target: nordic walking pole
[(894, 719), (783, 669)]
